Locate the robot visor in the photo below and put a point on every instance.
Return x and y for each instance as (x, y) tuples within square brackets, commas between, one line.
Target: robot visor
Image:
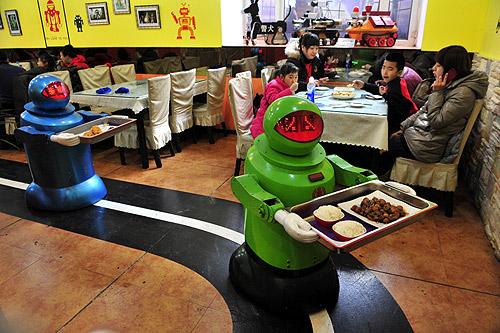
[(300, 126), (56, 90)]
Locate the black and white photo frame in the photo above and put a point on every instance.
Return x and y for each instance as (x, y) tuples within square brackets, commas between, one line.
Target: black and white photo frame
[(148, 17), (97, 13), (12, 21)]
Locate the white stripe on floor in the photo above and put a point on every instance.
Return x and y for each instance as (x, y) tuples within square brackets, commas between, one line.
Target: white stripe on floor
[(215, 229)]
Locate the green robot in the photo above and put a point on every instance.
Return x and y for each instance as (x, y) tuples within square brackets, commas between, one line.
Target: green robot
[(280, 265)]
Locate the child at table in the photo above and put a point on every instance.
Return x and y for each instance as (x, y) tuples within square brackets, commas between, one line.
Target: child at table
[(284, 84), (394, 90)]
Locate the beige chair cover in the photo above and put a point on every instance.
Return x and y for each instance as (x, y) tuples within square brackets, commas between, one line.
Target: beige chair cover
[(182, 100), (64, 76), (251, 65), (171, 65), (157, 128), (237, 66), (281, 62), (190, 62), (211, 113), (123, 73), (440, 176), (95, 78), (241, 101), (265, 75)]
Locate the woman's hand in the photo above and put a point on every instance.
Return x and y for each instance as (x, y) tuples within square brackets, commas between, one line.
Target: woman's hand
[(358, 84), (294, 87), (382, 89), (440, 83), (396, 133)]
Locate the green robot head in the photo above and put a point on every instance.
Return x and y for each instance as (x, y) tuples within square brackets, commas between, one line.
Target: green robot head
[(293, 125)]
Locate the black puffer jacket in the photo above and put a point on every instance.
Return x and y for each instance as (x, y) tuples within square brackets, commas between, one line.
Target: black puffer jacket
[(318, 70)]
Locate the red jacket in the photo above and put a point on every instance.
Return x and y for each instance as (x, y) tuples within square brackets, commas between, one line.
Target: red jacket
[(275, 89), (79, 61)]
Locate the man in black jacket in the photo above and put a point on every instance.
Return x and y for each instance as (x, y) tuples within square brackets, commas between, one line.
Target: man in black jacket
[(7, 74)]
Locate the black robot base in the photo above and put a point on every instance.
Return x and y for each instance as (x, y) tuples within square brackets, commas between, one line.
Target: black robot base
[(281, 291)]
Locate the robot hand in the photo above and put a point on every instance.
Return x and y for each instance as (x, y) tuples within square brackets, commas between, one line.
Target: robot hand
[(295, 226), (65, 139)]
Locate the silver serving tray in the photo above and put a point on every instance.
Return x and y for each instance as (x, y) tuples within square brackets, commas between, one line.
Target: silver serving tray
[(328, 239), (116, 124)]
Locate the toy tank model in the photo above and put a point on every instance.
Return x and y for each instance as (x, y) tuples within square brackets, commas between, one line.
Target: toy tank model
[(374, 31)]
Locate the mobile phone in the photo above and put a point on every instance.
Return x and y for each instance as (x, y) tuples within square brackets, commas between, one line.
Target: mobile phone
[(452, 74)]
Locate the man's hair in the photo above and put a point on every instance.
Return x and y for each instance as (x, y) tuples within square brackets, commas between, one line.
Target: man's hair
[(307, 40), (398, 58), (457, 57), (68, 50), (287, 68), (47, 58)]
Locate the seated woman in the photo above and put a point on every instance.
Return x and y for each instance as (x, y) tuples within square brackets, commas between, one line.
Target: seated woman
[(307, 60), (284, 84), (425, 135)]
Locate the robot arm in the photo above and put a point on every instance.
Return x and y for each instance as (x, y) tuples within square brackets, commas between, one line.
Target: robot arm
[(175, 18), (268, 207), (254, 198), (30, 134), (347, 174)]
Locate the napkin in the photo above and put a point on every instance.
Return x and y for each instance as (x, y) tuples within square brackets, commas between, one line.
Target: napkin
[(103, 91), (122, 90)]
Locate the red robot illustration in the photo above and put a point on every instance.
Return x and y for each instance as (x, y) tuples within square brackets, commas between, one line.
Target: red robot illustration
[(185, 22), (52, 18)]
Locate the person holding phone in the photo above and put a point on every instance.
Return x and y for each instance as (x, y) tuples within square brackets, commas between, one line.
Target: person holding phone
[(433, 133)]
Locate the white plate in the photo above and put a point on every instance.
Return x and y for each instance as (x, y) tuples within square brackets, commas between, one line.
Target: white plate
[(356, 105), (322, 88), (350, 96), (346, 206)]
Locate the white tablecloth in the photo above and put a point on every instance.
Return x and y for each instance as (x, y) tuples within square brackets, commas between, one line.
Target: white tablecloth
[(365, 126), (136, 99)]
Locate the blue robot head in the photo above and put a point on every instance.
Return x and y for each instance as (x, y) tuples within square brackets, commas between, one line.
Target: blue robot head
[(48, 92)]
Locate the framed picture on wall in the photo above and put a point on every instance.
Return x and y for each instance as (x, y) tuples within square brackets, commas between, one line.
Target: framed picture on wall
[(97, 13), (148, 17), (121, 6), (13, 22)]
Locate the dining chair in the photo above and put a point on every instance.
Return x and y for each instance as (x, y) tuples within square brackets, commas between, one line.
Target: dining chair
[(265, 75), (439, 176), (123, 73), (95, 78), (181, 96), (241, 101), (211, 113), (154, 67), (251, 65), (171, 65), (65, 77), (157, 128)]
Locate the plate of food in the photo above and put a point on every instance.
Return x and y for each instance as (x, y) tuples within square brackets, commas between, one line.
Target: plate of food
[(343, 92), (96, 130), (378, 209)]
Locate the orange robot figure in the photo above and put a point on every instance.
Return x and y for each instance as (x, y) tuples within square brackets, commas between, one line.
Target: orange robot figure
[(52, 18), (185, 22)]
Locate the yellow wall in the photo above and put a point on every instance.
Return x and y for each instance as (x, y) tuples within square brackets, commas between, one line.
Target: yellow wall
[(450, 22), (123, 31), (29, 18), (491, 43)]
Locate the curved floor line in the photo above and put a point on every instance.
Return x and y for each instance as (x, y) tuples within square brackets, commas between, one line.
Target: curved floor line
[(215, 229)]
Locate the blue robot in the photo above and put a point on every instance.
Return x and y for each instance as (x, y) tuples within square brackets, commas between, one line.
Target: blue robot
[(62, 170)]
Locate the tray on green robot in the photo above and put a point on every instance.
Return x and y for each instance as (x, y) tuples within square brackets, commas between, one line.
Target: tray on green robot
[(97, 130), (413, 206)]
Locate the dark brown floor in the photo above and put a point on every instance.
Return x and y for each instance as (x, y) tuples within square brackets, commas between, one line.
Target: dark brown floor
[(441, 271)]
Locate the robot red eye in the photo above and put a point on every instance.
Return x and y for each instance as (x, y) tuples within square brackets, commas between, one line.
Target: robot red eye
[(300, 126), (56, 90)]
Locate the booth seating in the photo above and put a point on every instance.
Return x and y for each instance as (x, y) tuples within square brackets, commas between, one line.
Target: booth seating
[(65, 77), (266, 75), (157, 127), (241, 101), (210, 114), (95, 78), (190, 62), (439, 176), (243, 65), (123, 73), (181, 94), (166, 65)]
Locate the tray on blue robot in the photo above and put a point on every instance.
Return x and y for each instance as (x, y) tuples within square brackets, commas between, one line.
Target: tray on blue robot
[(413, 205), (97, 130)]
